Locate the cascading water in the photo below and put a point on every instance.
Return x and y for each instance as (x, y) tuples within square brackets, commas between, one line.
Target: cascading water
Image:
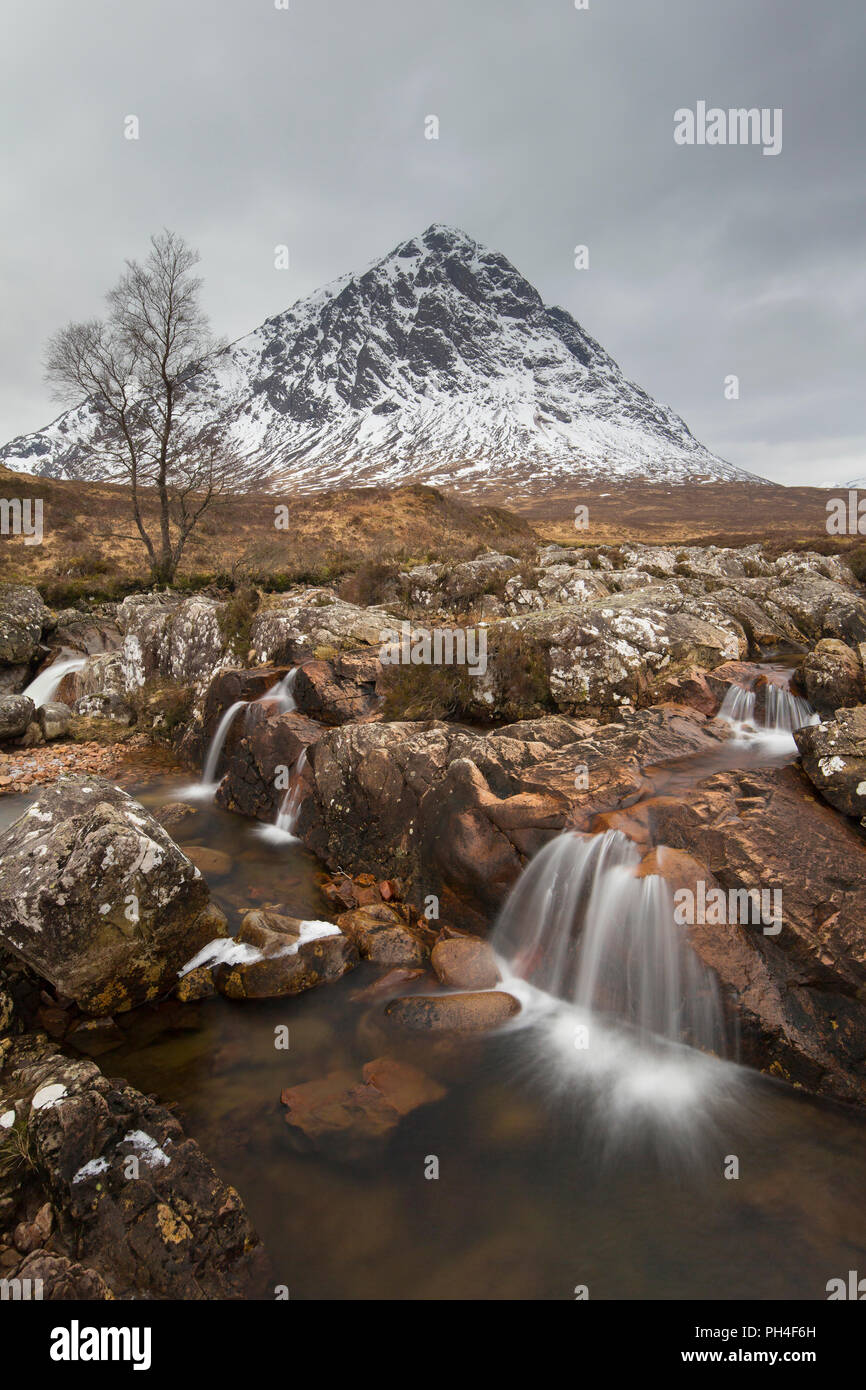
[(283, 829), (774, 723), (209, 781), (584, 927), (43, 687), (281, 691), (288, 814)]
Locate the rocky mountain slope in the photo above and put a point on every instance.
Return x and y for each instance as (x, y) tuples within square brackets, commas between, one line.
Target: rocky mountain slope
[(438, 363)]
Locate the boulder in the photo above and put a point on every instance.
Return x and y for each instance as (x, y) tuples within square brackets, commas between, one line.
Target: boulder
[(465, 962), (453, 1013), (383, 935), (834, 759), (98, 899), (164, 1227), (16, 715), (53, 719), (23, 616), (277, 962), (831, 676)]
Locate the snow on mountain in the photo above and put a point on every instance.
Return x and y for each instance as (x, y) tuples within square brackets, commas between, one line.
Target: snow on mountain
[(439, 363)]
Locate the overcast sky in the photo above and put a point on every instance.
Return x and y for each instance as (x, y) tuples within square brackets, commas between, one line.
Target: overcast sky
[(261, 126)]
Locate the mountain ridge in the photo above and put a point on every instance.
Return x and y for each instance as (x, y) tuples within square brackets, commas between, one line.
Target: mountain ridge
[(439, 363)]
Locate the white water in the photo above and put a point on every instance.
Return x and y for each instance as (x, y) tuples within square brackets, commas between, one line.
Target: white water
[(283, 829), (783, 713), (280, 691), (43, 687), (584, 928)]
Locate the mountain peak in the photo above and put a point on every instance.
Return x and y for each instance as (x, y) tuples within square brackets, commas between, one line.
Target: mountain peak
[(440, 362)]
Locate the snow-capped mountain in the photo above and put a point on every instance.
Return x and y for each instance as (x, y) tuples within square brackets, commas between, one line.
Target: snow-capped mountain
[(439, 363)]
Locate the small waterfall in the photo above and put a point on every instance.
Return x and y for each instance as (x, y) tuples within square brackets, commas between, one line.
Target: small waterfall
[(280, 691), (288, 814), (284, 691), (214, 752), (583, 927), (787, 712), (43, 687), (738, 706), (781, 714)]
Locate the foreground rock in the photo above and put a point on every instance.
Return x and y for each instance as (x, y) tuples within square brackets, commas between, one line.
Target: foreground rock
[(17, 713), (98, 899), (834, 759), (138, 1211)]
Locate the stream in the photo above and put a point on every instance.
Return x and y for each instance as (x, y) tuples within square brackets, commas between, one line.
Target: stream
[(552, 1175)]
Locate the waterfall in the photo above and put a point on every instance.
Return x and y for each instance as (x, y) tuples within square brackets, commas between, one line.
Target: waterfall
[(280, 691), (283, 829), (738, 706), (783, 712), (786, 711), (214, 752), (283, 691), (43, 687), (581, 926)]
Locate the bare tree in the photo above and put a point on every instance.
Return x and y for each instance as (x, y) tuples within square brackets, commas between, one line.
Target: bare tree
[(133, 366)]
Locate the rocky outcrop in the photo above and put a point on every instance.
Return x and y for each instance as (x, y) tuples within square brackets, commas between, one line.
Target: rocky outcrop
[(294, 626), (455, 813), (834, 759), (831, 676), (797, 993), (98, 899), (137, 1210)]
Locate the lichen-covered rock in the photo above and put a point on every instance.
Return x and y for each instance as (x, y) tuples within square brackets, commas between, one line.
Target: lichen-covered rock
[(608, 655), (16, 716), (834, 759), (23, 616), (294, 625), (138, 1202), (98, 899)]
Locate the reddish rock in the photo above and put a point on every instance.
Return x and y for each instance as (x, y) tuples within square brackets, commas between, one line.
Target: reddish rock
[(383, 935), (453, 1013), (464, 962)]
